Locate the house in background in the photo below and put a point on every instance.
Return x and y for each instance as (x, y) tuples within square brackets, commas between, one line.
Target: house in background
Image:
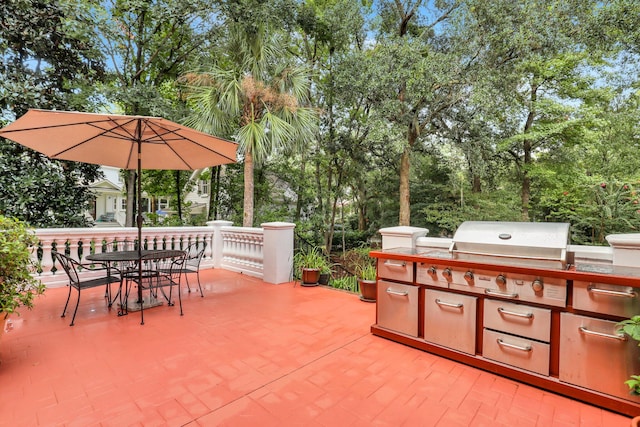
[(110, 203)]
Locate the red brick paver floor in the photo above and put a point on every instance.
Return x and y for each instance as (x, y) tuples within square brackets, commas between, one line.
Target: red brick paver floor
[(250, 354)]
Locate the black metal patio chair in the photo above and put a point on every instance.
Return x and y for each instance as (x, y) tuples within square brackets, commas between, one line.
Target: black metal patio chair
[(195, 252), (72, 268), (160, 270)]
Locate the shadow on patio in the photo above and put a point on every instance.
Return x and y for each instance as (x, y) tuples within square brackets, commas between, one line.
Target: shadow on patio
[(249, 354)]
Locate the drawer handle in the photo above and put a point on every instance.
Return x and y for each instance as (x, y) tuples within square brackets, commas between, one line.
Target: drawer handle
[(609, 292), (515, 313), (392, 292), (602, 334), (501, 343), (400, 264), (500, 294), (449, 304)]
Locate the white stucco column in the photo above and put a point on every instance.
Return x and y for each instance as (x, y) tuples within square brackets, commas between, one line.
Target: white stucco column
[(278, 252), (216, 242), (401, 236)]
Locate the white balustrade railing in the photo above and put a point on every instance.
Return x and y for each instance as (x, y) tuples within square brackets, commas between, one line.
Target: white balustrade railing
[(238, 249), (242, 249)]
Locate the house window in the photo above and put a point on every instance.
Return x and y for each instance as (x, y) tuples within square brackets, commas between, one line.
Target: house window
[(123, 204), (163, 204), (203, 187)]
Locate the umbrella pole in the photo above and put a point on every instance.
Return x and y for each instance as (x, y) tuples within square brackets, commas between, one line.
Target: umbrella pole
[(139, 219)]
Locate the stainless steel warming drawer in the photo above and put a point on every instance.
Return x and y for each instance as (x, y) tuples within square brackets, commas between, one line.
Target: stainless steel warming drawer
[(604, 298), (397, 307), (518, 319), (593, 355), (516, 351), (450, 320)]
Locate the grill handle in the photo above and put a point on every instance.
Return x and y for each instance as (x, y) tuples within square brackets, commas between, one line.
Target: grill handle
[(400, 294), (500, 294), (396, 264), (515, 313), (624, 294), (562, 258), (449, 304), (501, 343), (586, 331)]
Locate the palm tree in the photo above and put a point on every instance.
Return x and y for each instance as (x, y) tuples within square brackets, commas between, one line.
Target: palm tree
[(256, 94)]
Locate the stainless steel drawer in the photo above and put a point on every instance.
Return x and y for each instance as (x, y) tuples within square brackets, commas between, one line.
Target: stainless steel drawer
[(518, 319), (519, 352), (603, 298), (430, 274), (397, 307), (593, 355), (393, 269), (450, 320)]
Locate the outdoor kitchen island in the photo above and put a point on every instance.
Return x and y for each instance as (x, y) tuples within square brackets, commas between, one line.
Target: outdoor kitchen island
[(541, 318)]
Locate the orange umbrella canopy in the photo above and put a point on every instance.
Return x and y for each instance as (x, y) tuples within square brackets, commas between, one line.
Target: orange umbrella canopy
[(114, 140)]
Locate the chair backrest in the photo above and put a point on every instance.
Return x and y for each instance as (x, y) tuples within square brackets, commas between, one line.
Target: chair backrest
[(168, 264), (69, 265), (195, 252)]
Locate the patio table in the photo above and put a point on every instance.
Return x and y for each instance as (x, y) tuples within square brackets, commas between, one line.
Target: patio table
[(137, 256)]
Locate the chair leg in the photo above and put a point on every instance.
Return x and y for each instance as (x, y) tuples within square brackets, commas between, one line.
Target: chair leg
[(64, 310), (73, 319), (199, 286)]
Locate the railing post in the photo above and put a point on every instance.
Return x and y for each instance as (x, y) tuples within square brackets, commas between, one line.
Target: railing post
[(217, 242), (278, 252)]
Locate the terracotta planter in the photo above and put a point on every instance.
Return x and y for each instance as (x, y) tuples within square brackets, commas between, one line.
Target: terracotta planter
[(310, 276), (635, 422), (368, 290)]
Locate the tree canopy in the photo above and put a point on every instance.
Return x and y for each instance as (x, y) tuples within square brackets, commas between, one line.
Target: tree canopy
[(351, 115)]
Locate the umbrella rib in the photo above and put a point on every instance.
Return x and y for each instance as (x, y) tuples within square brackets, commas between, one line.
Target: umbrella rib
[(182, 137)]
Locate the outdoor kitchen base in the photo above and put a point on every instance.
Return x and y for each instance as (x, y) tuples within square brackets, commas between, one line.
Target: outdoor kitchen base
[(510, 299)]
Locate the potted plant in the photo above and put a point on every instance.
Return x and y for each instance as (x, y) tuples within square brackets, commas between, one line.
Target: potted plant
[(366, 272), (18, 287), (631, 327), (310, 263), (325, 275)]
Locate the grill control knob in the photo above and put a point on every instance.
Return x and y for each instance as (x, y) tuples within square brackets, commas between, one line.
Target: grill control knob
[(446, 273), (468, 276), (537, 285), (432, 271), (501, 280)]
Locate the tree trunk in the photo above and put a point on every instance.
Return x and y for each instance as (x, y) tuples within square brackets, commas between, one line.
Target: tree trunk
[(214, 192), (527, 147), (405, 207), (247, 216), (178, 194)]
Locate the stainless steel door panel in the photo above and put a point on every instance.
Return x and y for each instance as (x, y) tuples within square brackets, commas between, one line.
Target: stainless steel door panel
[(397, 306), (518, 319), (519, 352), (603, 298), (393, 269), (593, 355), (450, 320), (430, 274)]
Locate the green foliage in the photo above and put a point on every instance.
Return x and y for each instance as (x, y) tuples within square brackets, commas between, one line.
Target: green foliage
[(347, 283), (17, 286), (631, 327), (49, 60), (311, 257)]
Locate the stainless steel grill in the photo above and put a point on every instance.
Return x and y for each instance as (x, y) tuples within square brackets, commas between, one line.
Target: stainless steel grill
[(529, 244)]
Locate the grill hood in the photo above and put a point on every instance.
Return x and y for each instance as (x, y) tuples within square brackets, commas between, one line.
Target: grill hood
[(532, 244)]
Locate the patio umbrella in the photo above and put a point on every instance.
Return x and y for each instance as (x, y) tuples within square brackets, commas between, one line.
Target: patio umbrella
[(126, 142)]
